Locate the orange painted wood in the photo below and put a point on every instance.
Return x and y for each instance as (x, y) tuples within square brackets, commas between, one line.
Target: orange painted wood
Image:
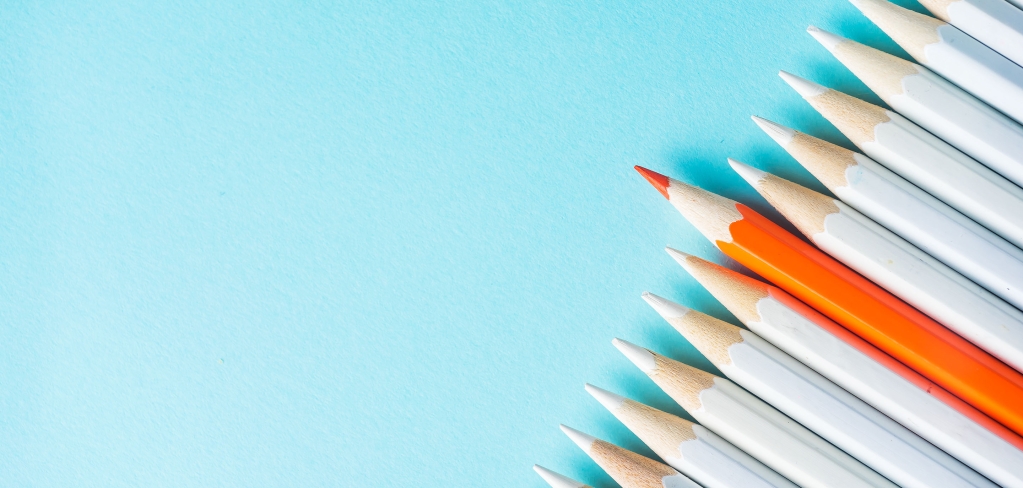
[(878, 317)]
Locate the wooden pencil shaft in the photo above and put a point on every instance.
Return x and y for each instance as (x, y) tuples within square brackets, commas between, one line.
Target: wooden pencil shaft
[(951, 53), (995, 23), (878, 317), (913, 214), (897, 266), (924, 160), (843, 419), (778, 441), (865, 371), (929, 100), (816, 403), (884, 385)]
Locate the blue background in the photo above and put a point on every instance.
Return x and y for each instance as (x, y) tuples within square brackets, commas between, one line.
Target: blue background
[(362, 244)]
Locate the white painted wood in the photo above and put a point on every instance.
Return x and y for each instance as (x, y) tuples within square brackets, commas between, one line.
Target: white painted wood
[(715, 463), (948, 174), (842, 419), (977, 69), (961, 120), (995, 23), (924, 282), (888, 392), (778, 441), (935, 228)]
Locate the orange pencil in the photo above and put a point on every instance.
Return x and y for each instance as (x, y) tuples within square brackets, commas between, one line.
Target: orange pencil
[(851, 300)]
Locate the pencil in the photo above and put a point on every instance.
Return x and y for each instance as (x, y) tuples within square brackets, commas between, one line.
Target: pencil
[(557, 480), (690, 448), (849, 299), (865, 371), (938, 106), (894, 264), (817, 403), (920, 157), (626, 467), (752, 425), (996, 23), (913, 214), (958, 57)]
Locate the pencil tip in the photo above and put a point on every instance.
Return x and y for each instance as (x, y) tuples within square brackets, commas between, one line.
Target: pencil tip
[(609, 400), (805, 88), (642, 358), (659, 181), (584, 441), (827, 39), (747, 172), (781, 134), (556, 480), (679, 256), (667, 309)]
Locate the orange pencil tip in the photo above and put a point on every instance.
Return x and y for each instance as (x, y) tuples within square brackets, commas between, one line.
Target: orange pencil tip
[(658, 180)]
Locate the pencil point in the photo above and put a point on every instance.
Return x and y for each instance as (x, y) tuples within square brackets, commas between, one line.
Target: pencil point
[(642, 358), (752, 175), (609, 400), (805, 88), (781, 134), (827, 39), (584, 441), (556, 480), (679, 256), (659, 181), (667, 309)]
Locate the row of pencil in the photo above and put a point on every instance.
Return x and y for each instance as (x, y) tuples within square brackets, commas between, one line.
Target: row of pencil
[(889, 352)]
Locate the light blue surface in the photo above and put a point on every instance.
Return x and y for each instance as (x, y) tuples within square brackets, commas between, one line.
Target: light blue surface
[(361, 243)]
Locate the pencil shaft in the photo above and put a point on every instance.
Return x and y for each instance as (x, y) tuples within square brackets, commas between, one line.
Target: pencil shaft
[(877, 316)]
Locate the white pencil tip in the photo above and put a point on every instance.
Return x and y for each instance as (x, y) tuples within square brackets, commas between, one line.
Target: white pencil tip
[(642, 358), (666, 308), (747, 172), (805, 88), (827, 39), (556, 480), (609, 400), (679, 256), (781, 134), (584, 441)]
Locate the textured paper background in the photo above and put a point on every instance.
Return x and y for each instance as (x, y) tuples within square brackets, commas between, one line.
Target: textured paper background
[(361, 243)]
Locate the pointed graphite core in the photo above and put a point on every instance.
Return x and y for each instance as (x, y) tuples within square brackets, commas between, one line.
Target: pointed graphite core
[(666, 308), (642, 358), (781, 134), (584, 441), (659, 181), (805, 88), (556, 480), (609, 400), (827, 39), (752, 175)]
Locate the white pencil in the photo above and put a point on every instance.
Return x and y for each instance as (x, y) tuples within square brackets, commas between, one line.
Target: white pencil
[(935, 104), (690, 448), (920, 157), (915, 215), (626, 467), (557, 480), (995, 23), (896, 265), (816, 402), (752, 425), (958, 57), (865, 371)]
